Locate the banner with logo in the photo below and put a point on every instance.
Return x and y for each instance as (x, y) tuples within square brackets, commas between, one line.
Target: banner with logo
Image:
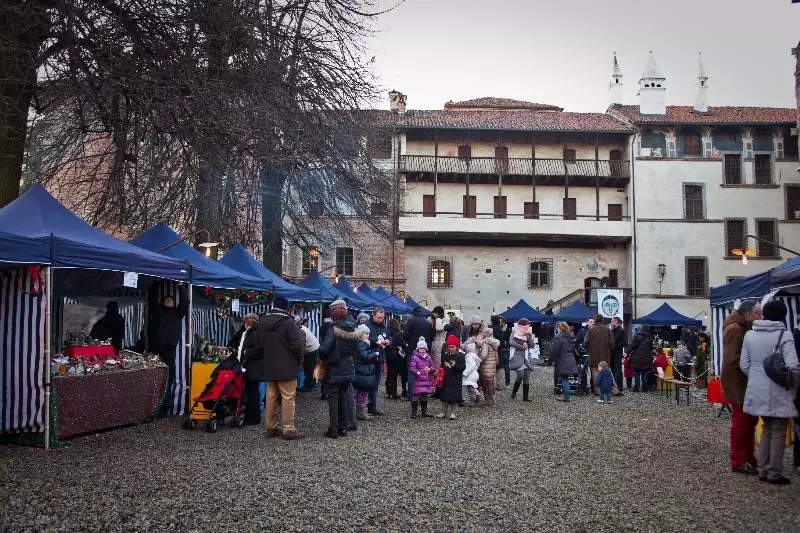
[(609, 303)]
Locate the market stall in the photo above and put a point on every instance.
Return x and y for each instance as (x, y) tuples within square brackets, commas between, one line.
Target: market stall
[(385, 302), (413, 305), (76, 257), (353, 299), (575, 313), (521, 309), (400, 305)]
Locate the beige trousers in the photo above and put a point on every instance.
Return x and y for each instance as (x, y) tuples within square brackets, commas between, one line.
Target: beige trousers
[(286, 391)]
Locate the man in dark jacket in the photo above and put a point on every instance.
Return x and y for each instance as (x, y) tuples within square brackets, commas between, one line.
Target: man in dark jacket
[(582, 333), (281, 344), (110, 326), (378, 341), (620, 342), (734, 384), (164, 332), (338, 351), (416, 327)]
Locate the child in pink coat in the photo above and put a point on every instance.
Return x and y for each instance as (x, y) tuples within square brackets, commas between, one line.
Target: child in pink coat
[(423, 369)]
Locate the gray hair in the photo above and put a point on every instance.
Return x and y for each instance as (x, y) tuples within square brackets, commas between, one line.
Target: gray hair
[(746, 306), (377, 309)]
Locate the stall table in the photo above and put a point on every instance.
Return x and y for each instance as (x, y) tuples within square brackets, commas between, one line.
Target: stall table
[(88, 403)]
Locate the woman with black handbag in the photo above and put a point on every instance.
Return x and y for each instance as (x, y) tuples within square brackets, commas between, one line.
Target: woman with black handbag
[(769, 341)]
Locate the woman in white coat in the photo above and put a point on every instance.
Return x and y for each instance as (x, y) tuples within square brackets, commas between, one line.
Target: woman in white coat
[(765, 398)]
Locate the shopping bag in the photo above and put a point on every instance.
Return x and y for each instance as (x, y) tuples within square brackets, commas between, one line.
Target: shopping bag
[(714, 392), (438, 378)]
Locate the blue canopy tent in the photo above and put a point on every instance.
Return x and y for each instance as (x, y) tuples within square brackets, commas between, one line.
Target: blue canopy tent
[(315, 282), (400, 305), (521, 309), (413, 305), (383, 301), (576, 313), (353, 300), (205, 271), (667, 316), (36, 220), (238, 259)]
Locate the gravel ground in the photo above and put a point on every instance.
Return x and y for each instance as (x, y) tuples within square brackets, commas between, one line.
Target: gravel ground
[(642, 464)]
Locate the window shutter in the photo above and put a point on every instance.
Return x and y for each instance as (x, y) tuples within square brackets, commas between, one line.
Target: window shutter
[(531, 210), (570, 209), (428, 205), (470, 206), (615, 212), (500, 203), (501, 159)]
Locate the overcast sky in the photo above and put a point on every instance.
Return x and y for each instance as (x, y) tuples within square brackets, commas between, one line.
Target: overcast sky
[(560, 51)]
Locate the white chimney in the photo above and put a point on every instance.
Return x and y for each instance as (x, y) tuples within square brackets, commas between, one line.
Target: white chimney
[(652, 90), (615, 86), (397, 101), (701, 98)]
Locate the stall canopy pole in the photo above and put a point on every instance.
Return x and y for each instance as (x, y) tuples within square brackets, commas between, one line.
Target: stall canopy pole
[(188, 348), (47, 352)]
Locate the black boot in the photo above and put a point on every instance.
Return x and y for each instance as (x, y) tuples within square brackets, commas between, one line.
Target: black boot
[(516, 388), (526, 389), (425, 413), (414, 408)]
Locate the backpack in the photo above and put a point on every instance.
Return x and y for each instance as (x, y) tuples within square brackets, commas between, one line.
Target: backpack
[(775, 366)]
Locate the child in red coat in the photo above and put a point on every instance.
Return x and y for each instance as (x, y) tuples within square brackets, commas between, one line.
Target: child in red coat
[(628, 371), (660, 361)]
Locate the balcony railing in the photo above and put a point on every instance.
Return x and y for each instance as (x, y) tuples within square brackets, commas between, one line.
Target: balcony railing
[(515, 166), (540, 216)]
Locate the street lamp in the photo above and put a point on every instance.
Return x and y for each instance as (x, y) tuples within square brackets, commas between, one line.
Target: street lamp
[(662, 271), (746, 252), (704, 313), (208, 245)]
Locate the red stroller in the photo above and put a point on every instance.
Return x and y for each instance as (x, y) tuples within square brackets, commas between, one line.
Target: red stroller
[(221, 398)]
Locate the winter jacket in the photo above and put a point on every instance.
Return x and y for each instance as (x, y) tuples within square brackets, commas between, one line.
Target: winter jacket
[(438, 335), (366, 359), (397, 344), (338, 350), (280, 343), (376, 331), (164, 329), (490, 356), (641, 349), (467, 337), (470, 374), (451, 391), (517, 347), (423, 381), (604, 380), (689, 339), (627, 369), (252, 358), (620, 340), (311, 342), (581, 337), (682, 356), (110, 326), (599, 342), (562, 352), (734, 381), (415, 328), (764, 397), (660, 362), (501, 334)]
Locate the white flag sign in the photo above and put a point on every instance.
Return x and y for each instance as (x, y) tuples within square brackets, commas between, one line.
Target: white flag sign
[(609, 303)]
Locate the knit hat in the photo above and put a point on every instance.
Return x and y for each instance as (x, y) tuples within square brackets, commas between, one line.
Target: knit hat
[(280, 302), (362, 316), (362, 329), (521, 332), (475, 319), (452, 340), (338, 303), (422, 344), (471, 348)]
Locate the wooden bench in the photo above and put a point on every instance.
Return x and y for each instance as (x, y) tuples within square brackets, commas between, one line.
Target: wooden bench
[(678, 385)]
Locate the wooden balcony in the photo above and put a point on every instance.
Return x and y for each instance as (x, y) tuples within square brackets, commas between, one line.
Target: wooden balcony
[(578, 172)]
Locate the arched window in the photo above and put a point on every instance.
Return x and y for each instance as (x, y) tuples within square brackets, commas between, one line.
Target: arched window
[(439, 274)]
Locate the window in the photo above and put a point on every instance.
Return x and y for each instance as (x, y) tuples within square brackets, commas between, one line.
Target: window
[(792, 202), (540, 274), (500, 203), (379, 209), (379, 145), (316, 209), (569, 155), (310, 261), (767, 230), (693, 202), (532, 209), (790, 146), (344, 261), (570, 209), (465, 151), (501, 159), (439, 273), (591, 285), (696, 276), (763, 169), (615, 212), (428, 205), (733, 169), (691, 144), (613, 277), (735, 230), (470, 207)]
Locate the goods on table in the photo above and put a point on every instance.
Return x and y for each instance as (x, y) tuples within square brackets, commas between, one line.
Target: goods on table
[(63, 365)]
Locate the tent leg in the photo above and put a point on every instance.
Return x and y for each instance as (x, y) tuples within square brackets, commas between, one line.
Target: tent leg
[(188, 348), (47, 352)]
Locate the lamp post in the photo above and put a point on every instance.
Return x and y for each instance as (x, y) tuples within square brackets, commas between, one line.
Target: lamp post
[(208, 245), (662, 271), (746, 252), (704, 313)]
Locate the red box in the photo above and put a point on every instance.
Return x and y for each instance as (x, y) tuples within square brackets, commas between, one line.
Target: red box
[(88, 352)]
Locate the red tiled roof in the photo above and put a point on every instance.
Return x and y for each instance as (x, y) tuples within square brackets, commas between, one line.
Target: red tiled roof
[(499, 103), (509, 120), (682, 114)]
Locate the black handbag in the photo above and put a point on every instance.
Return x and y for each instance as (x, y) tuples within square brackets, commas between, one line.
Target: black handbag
[(775, 366)]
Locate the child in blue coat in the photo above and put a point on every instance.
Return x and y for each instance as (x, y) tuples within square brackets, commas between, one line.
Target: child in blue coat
[(605, 382)]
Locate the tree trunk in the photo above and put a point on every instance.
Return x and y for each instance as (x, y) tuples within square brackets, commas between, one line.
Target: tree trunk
[(23, 27), (272, 182), (209, 194)]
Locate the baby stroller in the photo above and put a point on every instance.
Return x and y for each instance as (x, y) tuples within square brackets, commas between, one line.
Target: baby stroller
[(221, 398), (579, 383)]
